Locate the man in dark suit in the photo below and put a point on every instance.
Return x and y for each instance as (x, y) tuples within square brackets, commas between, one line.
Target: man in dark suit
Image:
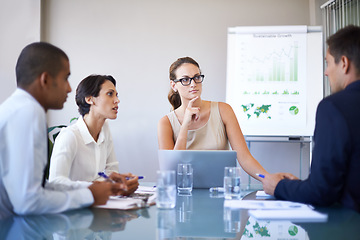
[(335, 168)]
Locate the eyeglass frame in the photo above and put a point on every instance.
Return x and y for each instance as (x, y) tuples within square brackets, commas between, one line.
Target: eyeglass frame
[(190, 79)]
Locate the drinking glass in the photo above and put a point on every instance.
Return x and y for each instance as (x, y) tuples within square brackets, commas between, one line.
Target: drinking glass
[(166, 189), (184, 178), (232, 183)]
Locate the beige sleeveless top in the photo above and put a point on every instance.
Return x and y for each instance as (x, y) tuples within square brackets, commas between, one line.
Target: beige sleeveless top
[(211, 136)]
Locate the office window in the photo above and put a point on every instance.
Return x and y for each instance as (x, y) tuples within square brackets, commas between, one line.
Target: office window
[(337, 14)]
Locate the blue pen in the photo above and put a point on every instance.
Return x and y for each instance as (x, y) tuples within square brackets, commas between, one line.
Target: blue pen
[(260, 175), (139, 177), (102, 174)]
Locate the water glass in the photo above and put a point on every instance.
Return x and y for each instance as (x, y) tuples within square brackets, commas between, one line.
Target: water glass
[(232, 183), (184, 178), (166, 189)]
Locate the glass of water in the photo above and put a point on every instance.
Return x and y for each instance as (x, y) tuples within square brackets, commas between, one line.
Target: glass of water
[(232, 183), (184, 178), (166, 189)]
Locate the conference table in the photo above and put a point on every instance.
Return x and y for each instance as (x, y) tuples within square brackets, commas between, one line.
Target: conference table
[(201, 215)]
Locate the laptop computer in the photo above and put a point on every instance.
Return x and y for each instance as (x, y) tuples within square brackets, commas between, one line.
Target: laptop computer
[(208, 165)]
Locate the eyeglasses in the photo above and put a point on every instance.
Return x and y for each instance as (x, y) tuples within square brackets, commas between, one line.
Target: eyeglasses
[(187, 80)]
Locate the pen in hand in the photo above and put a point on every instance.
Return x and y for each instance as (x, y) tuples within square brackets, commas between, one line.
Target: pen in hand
[(102, 174), (260, 175), (139, 177), (121, 181)]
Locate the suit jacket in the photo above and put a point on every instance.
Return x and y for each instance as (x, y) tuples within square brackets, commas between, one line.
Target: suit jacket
[(335, 168)]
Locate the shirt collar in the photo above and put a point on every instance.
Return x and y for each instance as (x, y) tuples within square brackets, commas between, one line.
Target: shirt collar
[(19, 92), (85, 134), (355, 84)]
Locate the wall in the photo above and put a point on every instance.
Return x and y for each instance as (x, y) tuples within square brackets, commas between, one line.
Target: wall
[(19, 26), (136, 41), (315, 11)]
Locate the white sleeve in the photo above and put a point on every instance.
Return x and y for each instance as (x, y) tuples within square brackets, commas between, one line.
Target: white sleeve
[(66, 185), (27, 154)]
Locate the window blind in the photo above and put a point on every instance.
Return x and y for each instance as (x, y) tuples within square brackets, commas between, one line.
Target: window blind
[(337, 14)]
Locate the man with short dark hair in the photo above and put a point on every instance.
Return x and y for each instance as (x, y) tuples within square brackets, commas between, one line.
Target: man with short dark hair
[(42, 72), (335, 166)]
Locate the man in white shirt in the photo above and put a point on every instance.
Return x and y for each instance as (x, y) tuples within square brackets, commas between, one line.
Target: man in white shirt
[(42, 72)]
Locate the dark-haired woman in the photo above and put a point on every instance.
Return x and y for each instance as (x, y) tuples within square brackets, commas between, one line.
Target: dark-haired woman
[(196, 124), (85, 148)]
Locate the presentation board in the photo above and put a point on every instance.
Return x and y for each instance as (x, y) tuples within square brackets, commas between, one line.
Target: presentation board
[(275, 78)]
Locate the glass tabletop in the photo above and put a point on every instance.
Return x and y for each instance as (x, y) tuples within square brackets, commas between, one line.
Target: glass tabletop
[(201, 215)]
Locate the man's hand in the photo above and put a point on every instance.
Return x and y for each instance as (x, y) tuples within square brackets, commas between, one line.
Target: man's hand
[(289, 176), (271, 180), (101, 192), (130, 185)]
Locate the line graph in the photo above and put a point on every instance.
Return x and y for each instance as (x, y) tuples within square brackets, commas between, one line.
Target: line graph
[(270, 62)]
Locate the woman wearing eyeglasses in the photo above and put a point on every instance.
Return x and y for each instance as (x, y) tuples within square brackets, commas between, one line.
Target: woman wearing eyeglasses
[(197, 124)]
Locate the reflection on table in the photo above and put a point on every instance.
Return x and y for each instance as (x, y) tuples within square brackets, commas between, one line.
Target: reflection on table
[(201, 215), (88, 223)]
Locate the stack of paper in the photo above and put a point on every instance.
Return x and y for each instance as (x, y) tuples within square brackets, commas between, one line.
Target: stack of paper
[(303, 215), (143, 197), (263, 195), (278, 210), (123, 203), (264, 204)]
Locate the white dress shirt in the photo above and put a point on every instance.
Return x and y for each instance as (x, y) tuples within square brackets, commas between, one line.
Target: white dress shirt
[(77, 158), (23, 157)]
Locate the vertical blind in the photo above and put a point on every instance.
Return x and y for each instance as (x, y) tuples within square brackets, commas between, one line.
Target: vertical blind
[(337, 14)]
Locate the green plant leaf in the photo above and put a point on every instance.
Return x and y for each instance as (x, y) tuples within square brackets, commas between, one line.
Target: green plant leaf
[(75, 118)]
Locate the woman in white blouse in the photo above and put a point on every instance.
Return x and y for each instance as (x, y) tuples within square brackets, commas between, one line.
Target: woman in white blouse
[(85, 148)]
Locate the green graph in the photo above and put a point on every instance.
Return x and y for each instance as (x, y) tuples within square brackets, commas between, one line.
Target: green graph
[(278, 66)]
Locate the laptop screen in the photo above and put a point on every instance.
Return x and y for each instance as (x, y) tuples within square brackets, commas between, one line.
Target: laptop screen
[(208, 165)]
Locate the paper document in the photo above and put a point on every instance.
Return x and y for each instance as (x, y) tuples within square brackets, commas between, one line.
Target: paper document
[(263, 195), (143, 197), (278, 210), (145, 189), (303, 215), (123, 203), (263, 204)]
